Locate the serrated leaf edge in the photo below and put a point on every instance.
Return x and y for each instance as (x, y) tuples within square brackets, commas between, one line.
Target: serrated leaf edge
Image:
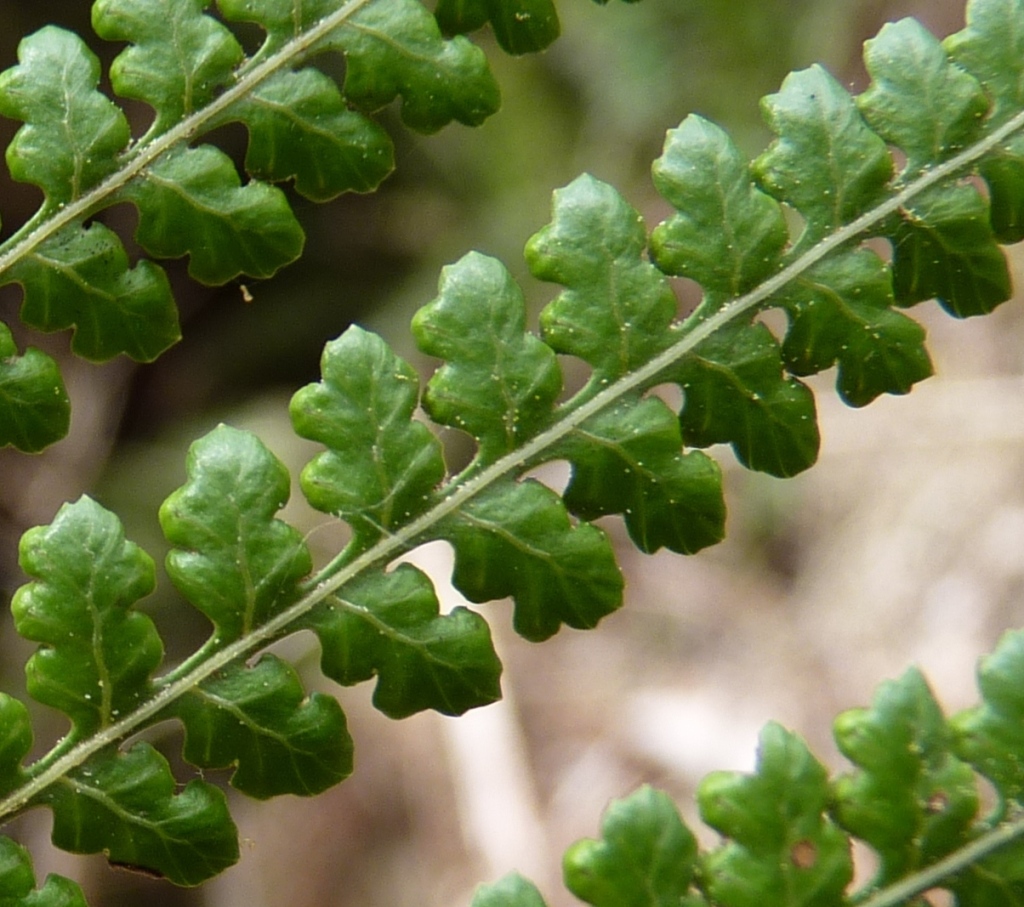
[(404, 538), (148, 153)]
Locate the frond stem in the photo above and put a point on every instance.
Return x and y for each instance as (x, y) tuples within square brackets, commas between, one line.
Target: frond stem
[(143, 155), (400, 540), (902, 891)]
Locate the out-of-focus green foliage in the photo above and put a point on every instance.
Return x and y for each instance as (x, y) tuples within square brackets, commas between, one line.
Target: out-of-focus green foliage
[(788, 828)]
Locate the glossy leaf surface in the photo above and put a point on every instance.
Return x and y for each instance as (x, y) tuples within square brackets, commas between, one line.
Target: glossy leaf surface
[(726, 234), (190, 68), (17, 882), (520, 26), (841, 312), (259, 719), (945, 249), (72, 132), (517, 541), (126, 805), (394, 47), (300, 128), (628, 460), (175, 77), (82, 279), (97, 653), (617, 307), (787, 827), (815, 118), (498, 382), (990, 48), (281, 19), (233, 560), (735, 392), (910, 72), (34, 408), (381, 466), (389, 626), (193, 203)]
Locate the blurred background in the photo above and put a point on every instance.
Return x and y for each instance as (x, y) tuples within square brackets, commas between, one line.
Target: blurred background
[(904, 545)]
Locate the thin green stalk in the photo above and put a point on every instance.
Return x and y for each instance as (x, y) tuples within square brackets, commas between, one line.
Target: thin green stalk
[(142, 155), (919, 882), (326, 584)]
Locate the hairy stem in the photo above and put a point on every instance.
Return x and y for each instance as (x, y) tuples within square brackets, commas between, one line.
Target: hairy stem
[(920, 882), (141, 156), (326, 585)]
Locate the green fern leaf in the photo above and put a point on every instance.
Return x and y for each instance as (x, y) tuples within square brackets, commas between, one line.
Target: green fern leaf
[(34, 407), (233, 560), (97, 654), (990, 734), (381, 467), (498, 382), (17, 882), (124, 804), (945, 249), (190, 68), (990, 49), (616, 313), (734, 387), (736, 392), (192, 202), (175, 77), (16, 741), (520, 26), (841, 313), (300, 128), (628, 460), (72, 132), (911, 800), (814, 116), (647, 857), (69, 143), (595, 248), (912, 797), (781, 848), (260, 720), (516, 540), (787, 827), (82, 279), (389, 626), (394, 47), (910, 72), (280, 19), (727, 235), (511, 891)]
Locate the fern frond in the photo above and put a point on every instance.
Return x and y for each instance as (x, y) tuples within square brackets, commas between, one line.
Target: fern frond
[(189, 67), (383, 472), (788, 828)]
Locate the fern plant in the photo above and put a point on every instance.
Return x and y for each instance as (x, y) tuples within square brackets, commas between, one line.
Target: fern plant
[(955, 112), (190, 68)]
